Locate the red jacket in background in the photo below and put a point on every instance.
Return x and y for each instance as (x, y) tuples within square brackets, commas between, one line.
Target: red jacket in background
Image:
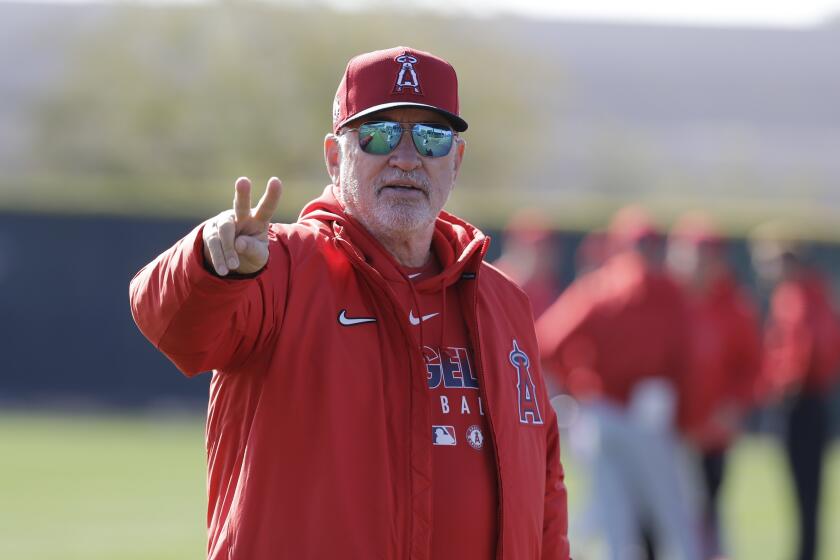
[(319, 435), (726, 364), (542, 289), (803, 337), (615, 327)]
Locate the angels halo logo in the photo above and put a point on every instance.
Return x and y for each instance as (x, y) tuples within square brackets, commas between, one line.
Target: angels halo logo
[(474, 437), (407, 78)]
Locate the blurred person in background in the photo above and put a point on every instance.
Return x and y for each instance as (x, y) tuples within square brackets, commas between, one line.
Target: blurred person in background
[(802, 363), (618, 341), (592, 252), (726, 362), (530, 256), (376, 391)]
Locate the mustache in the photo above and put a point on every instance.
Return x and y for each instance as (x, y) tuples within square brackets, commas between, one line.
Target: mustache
[(406, 177)]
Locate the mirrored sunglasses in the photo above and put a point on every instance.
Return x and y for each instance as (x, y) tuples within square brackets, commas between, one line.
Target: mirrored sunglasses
[(382, 137)]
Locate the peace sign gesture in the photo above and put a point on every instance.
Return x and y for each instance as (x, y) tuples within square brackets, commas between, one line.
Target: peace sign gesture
[(237, 240)]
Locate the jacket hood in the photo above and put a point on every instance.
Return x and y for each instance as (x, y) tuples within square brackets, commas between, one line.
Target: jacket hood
[(458, 245)]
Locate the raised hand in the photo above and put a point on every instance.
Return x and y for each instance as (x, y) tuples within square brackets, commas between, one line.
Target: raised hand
[(237, 240)]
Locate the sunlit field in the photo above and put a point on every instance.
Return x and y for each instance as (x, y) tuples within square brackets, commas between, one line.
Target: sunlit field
[(101, 487), (132, 488)]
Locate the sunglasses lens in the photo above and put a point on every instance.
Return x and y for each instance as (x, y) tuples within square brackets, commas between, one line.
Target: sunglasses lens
[(431, 140), (379, 138)]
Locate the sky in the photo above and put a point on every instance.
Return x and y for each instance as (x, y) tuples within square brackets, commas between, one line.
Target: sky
[(762, 13), (773, 13)]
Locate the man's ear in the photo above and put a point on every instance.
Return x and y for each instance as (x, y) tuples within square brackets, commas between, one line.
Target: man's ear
[(332, 157)]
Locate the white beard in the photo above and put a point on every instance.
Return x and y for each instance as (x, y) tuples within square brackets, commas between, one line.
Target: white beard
[(391, 218)]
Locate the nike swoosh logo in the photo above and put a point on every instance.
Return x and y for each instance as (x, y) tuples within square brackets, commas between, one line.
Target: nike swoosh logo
[(415, 275), (350, 321), (415, 321)]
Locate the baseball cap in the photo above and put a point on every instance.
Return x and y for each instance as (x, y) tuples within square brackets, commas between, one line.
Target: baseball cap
[(632, 224), (397, 77), (698, 229)]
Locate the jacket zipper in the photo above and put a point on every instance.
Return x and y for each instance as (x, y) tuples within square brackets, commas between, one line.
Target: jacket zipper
[(483, 392)]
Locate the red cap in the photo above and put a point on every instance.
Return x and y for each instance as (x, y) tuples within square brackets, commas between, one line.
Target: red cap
[(632, 224), (398, 77), (528, 225), (698, 229)]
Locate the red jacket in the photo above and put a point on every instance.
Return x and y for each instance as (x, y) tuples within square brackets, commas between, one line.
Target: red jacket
[(726, 364), (318, 433), (614, 327), (803, 337)]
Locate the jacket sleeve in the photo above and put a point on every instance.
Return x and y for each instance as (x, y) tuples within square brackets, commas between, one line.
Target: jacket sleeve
[(565, 334), (201, 321), (789, 342), (556, 520)]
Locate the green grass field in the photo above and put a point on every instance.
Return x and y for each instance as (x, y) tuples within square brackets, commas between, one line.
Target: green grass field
[(101, 487), (132, 487)]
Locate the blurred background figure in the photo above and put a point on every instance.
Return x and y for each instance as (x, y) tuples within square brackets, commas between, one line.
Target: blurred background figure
[(530, 256), (726, 363), (618, 341), (802, 362), (592, 252)]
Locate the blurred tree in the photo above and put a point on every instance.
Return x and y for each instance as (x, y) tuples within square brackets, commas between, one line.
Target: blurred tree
[(164, 106)]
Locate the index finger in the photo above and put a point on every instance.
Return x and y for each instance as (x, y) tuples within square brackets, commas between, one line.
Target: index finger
[(269, 201), (242, 199)]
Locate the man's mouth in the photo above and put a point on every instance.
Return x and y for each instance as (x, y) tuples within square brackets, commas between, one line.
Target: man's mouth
[(403, 187)]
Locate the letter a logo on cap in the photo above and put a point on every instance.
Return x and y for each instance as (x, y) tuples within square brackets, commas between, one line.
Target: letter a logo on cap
[(407, 77)]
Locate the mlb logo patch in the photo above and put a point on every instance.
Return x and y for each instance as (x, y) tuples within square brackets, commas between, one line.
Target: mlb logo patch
[(443, 435)]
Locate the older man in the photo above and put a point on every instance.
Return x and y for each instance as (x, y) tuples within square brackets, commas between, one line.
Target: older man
[(376, 389)]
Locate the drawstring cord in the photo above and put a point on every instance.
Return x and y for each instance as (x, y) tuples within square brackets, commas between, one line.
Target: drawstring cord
[(416, 306), (443, 318)]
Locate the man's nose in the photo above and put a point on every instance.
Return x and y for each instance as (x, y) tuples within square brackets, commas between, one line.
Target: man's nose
[(405, 155)]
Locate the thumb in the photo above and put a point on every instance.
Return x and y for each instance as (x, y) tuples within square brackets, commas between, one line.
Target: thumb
[(247, 245), (253, 253)]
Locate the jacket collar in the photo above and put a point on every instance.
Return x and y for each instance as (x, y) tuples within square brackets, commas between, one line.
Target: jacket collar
[(458, 245)]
